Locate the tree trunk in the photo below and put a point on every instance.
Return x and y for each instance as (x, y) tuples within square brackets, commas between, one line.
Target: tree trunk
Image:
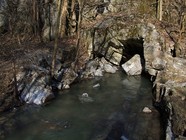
[(56, 38), (72, 19), (81, 6), (34, 12), (49, 21), (63, 18), (159, 9)]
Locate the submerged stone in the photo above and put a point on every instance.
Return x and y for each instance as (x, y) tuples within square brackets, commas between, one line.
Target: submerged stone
[(85, 98), (147, 110), (96, 85)]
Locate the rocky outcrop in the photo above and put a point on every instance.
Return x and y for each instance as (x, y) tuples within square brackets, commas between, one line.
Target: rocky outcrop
[(133, 66), (35, 84), (169, 92), (97, 67), (36, 90), (155, 49), (120, 41)]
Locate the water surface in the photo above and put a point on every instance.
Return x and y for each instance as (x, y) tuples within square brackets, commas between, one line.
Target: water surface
[(116, 111)]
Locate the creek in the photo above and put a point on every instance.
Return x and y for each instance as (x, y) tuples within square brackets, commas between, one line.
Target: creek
[(114, 112)]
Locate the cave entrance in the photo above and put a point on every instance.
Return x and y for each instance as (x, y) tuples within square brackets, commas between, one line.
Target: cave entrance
[(130, 48)]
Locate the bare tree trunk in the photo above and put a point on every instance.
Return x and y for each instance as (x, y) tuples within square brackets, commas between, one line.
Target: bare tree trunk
[(81, 6), (56, 38), (159, 9), (73, 6), (63, 18), (72, 19), (34, 16), (49, 20)]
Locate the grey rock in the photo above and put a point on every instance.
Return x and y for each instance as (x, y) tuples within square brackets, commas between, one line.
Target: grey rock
[(35, 94), (158, 64), (109, 68), (96, 85), (147, 110), (34, 85), (85, 98), (114, 55), (97, 72), (133, 66), (152, 72), (68, 78), (169, 133)]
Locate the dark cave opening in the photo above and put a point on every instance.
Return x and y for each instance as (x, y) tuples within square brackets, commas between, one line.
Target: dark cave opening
[(130, 48)]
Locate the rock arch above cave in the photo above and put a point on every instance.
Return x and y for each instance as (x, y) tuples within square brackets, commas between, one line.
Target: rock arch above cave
[(118, 41)]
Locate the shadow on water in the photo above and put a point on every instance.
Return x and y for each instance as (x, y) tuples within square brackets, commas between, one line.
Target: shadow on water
[(114, 113)]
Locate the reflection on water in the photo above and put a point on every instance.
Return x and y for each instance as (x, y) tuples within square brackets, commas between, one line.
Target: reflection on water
[(115, 113)]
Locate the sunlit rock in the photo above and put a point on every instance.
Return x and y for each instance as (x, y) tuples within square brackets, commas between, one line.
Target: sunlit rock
[(96, 85), (147, 110), (114, 55), (66, 86), (35, 94), (85, 95), (133, 66), (107, 66), (98, 72)]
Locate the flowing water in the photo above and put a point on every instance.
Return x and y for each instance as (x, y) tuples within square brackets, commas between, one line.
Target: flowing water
[(113, 112)]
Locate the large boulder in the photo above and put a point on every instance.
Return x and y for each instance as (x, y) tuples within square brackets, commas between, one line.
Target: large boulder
[(37, 95), (133, 66), (33, 80), (35, 90)]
